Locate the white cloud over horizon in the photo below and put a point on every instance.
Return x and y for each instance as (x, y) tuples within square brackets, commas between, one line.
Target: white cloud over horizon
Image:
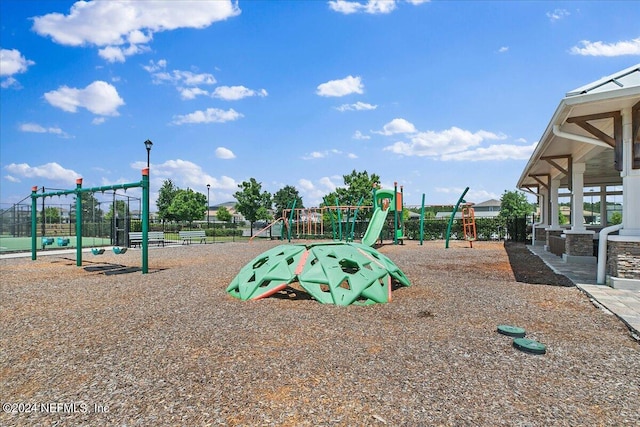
[(358, 106), (625, 47), (100, 98), (373, 7), (12, 62), (125, 28), (224, 153), (36, 128), (341, 87), (210, 115), (52, 171)]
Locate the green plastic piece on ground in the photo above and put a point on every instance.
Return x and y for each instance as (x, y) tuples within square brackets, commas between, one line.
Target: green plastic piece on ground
[(512, 331), (119, 251), (529, 346), (332, 273), (97, 251)]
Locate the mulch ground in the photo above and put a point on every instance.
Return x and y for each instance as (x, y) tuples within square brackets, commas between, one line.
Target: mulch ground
[(82, 347)]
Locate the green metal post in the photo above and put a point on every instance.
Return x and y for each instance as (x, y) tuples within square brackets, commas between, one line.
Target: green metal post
[(453, 214), (293, 209), (145, 220), (79, 222), (422, 221), (355, 216), (395, 213), (339, 220), (34, 223)]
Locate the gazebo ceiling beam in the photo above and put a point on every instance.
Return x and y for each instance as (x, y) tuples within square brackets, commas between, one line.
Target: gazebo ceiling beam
[(615, 141), (537, 176)]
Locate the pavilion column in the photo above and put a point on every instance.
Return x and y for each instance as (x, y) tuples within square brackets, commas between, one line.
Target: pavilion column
[(577, 203), (603, 205), (553, 199), (630, 180), (554, 229), (623, 254)]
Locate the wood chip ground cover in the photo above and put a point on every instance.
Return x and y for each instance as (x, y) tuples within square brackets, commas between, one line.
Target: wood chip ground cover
[(172, 348)]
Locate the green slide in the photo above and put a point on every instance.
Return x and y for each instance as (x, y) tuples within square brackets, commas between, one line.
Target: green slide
[(375, 227)]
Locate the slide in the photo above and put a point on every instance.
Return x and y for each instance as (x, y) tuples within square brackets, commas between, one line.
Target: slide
[(375, 227)]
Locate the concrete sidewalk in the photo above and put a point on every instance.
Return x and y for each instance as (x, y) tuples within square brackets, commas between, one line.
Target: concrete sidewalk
[(625, 304)]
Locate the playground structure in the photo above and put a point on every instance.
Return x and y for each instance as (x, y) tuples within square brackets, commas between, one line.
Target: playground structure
[(338, 272), (308, 223), (144, 184), (468, 221)]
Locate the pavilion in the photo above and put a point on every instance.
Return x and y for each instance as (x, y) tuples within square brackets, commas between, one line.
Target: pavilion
[(590, 150)]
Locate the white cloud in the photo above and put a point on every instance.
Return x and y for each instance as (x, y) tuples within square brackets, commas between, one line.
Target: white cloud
[(12, 62), (437, 144), (629, 47), (312, 193), (396, 126), (224, 153), (359, 135), (99, 98), (358, 106), (503, 49), (493, 152), (210, 115), (36, 128), (124, 28), (192, 92), (8, 82), (342, 87), (11, 178), (557, 14), (186, 174), (371, 6), (52, 171), (325, 153), (234, 93)]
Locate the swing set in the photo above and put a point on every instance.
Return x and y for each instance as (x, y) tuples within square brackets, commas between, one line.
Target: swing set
[(143, 183)]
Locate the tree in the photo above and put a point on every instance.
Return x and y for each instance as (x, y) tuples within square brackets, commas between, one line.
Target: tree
[(223, 214), (283, 199), (52, 215), (250, 199), (121, 210), (514, 204), (91, 211), (358, 185), (616, 218), (166, 195), (188, 205)]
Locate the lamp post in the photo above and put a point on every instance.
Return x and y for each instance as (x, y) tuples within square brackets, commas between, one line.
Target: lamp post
[(148, 145), (208, 204)]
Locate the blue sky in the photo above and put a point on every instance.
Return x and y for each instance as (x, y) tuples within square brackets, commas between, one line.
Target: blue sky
[(436, 95)]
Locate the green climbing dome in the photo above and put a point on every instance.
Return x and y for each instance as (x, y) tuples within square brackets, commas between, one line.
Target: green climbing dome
[(332, 273)]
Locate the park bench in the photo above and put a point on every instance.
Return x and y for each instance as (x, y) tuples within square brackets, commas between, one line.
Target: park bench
[(188, 236), (135, 237)]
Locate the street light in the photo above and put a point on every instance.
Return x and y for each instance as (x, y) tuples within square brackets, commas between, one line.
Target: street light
[(148, 145), (208, 204)]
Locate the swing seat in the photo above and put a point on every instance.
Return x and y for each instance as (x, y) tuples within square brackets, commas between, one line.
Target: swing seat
[(97, 251), (119, 251)]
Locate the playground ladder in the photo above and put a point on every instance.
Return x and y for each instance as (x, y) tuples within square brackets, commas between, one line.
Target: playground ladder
[(469, 224)]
